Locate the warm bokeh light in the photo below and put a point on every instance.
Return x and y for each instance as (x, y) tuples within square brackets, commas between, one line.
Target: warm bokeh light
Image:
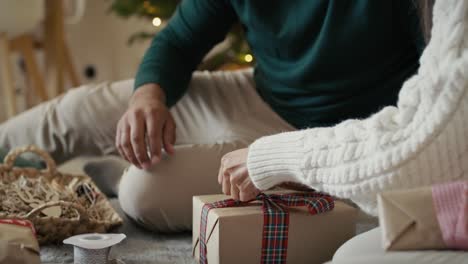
[(157, 22), (248, 58)]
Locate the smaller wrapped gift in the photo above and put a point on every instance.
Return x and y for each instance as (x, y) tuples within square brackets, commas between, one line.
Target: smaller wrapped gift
[(434, 217), (275, 228), (18, 244)]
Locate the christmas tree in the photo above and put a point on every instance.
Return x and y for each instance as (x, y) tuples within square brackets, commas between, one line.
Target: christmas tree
[(235, 54)]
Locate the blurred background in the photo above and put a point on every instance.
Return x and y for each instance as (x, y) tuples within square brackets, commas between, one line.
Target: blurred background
[(50, 46)]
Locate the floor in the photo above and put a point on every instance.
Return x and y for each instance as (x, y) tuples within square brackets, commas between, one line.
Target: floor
[(140, 246)]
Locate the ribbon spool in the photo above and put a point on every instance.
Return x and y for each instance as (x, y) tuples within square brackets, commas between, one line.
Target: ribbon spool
[(94, 248)]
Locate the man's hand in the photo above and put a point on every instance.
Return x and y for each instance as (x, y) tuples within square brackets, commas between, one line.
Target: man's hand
[(146, 125), (234, 176)]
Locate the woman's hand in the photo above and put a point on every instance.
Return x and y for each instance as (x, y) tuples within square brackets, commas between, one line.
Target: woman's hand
[(234, 176), (147, 124)]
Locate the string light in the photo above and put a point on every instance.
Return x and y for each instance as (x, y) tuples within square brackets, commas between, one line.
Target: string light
[(248, 58), (157, 21)]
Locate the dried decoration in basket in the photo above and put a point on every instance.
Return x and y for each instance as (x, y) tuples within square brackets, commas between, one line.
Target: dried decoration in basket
[(59, 205)]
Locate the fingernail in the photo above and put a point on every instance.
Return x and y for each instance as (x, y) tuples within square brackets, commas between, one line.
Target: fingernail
[(145, 165), (155, 159)]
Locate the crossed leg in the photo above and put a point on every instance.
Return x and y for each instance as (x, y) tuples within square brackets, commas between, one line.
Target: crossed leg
[(220, 112)]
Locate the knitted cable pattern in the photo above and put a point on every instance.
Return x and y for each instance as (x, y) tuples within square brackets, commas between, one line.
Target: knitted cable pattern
[(421, 141)]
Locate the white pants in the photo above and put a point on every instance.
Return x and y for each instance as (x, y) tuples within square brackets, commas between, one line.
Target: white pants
[(221, 112), (366, 248)]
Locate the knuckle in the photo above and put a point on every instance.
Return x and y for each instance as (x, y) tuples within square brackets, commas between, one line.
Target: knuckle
[(135, 138), (151, 111), (138, 112), (171, 121), (225, 159)]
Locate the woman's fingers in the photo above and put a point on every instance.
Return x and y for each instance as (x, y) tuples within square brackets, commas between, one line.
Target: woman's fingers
[(226, 184), (247, 191), (237, 183), (234, 180), (221, 171), (234, 176), (234, 191)]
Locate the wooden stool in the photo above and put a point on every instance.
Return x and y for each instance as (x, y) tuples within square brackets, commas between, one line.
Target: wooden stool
[(58, 62), (58, 58), (23, 44), (7, 78)]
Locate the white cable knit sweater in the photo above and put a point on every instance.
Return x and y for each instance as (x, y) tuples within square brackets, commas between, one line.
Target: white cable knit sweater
[(424, 140)]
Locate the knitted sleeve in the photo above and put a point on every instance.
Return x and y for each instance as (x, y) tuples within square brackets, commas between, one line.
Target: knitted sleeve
[(421, 141)]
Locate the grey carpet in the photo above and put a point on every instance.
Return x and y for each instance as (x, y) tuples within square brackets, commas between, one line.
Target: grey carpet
[(140, 246)]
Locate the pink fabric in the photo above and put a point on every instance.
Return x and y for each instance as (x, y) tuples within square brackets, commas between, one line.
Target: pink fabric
[(451, 206)]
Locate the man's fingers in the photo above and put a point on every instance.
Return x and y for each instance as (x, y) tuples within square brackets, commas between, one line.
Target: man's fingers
[(118, 145), (127, 148), (153, 128), (137, 138), (169, 135)]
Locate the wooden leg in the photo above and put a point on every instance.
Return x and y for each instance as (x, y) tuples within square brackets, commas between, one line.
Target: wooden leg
[(7, 77), (53, 45), (26, 47), (69, 68)]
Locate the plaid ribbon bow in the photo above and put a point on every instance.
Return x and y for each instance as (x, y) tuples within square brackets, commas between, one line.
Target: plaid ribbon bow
[(275, 220)]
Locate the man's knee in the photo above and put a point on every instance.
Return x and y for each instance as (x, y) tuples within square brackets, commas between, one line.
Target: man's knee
[(155, 205), (161, 198)]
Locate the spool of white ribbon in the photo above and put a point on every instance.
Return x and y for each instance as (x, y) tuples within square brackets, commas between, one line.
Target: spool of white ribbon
[(93, 248)]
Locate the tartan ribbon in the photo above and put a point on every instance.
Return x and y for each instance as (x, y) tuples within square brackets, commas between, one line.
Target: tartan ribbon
[(275, 220)]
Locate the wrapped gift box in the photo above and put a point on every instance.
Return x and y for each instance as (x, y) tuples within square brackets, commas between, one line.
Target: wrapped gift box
[(234, 235), (431, 217), (17, 242)]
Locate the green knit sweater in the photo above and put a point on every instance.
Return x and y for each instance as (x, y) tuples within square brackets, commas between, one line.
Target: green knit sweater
[(317, 62)]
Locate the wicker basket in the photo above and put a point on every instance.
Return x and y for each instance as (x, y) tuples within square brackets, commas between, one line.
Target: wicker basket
[(82, 215)]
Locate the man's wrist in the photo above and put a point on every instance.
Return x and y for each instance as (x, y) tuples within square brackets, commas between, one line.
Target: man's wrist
[(150, 89)]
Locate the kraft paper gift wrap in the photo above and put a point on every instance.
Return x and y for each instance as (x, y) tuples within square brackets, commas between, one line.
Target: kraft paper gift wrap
[(18, 244), (234, 235), (434, 217)]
